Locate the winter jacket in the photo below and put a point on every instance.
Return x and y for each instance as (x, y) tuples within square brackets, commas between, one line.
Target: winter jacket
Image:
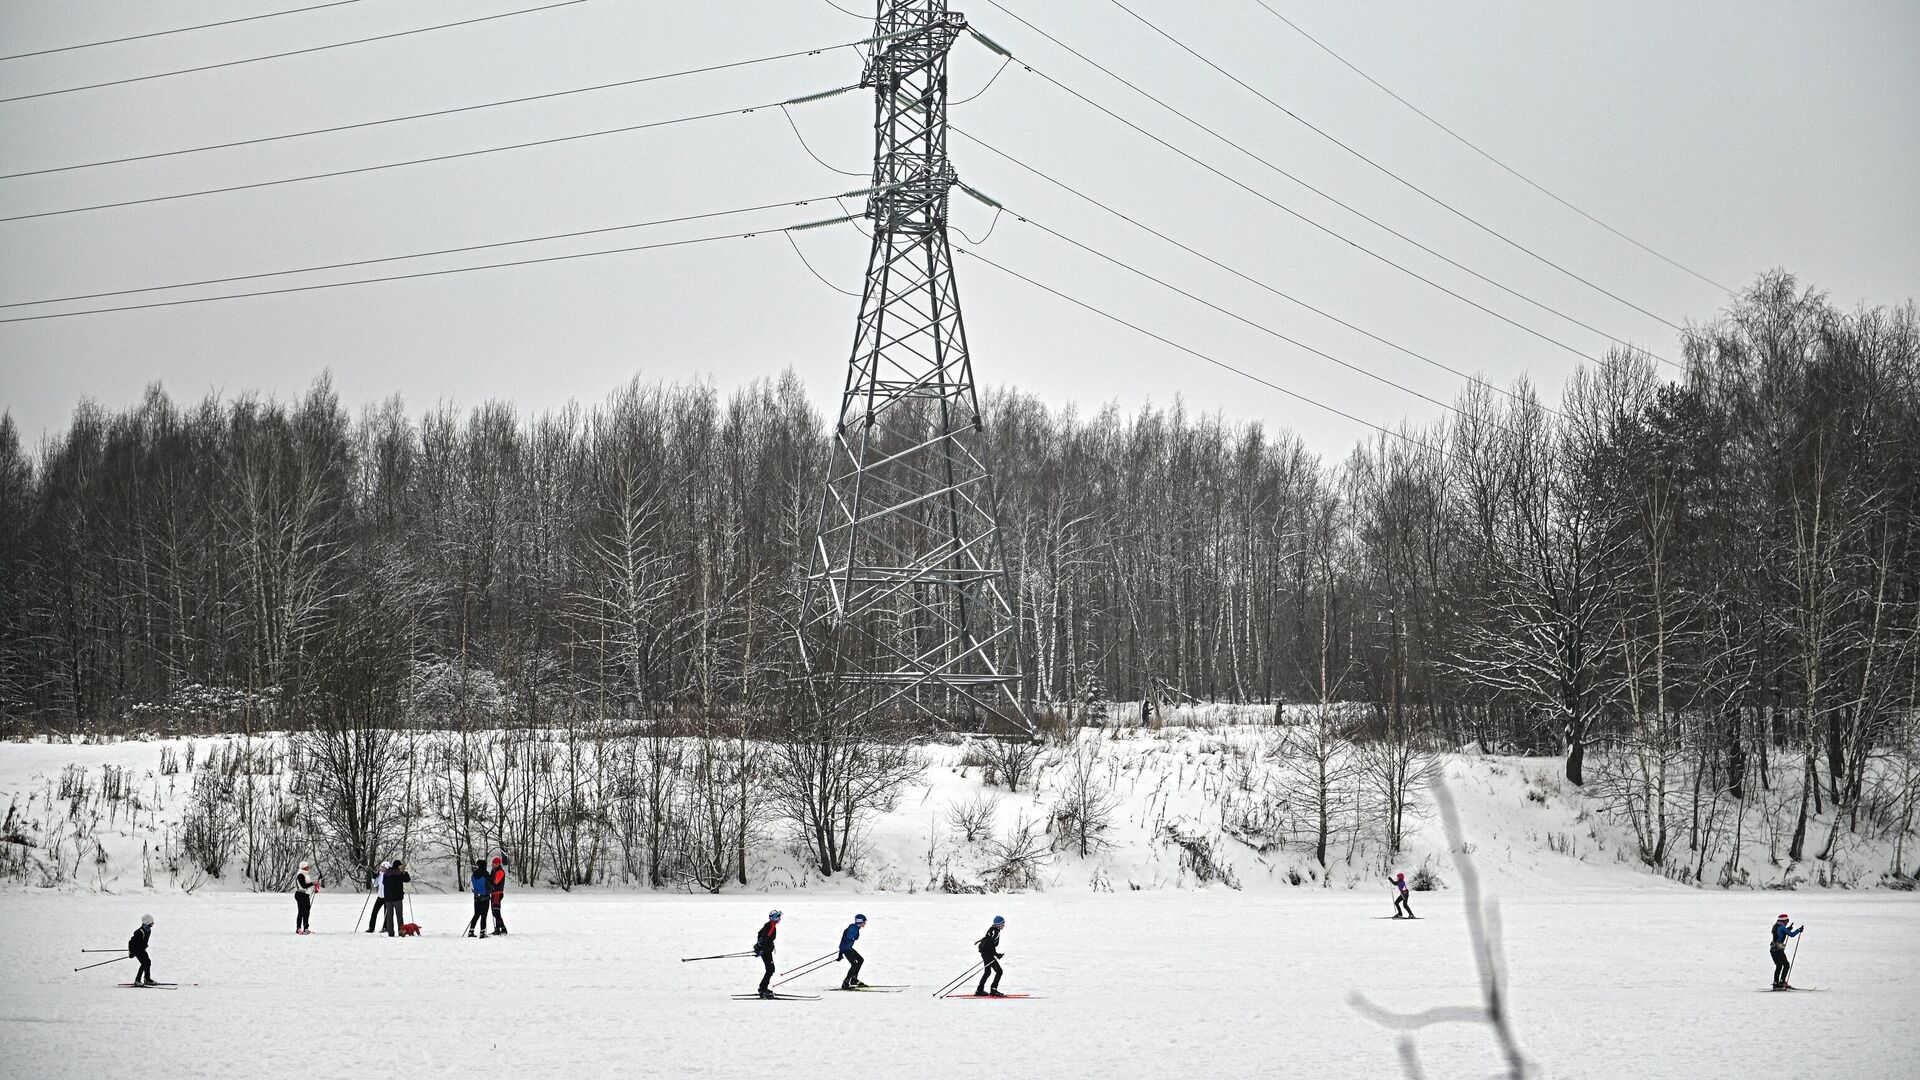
[(990, 944), (1781, 932), (852, 935), (763, 942), (479, 883), (498, 883), (1399, 883), (394, 884), (137, 944), (303, 884), (379, 883)]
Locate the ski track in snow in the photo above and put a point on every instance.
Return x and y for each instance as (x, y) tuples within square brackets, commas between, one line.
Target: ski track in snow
[(1606, 983)]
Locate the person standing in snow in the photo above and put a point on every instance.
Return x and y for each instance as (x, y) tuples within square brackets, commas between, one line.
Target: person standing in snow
[(137, 948), (1399, 882), (394, 883), (477, 881), (378, 886), (851, 955), (763, 948), (305, 885), (1777, 948), (989, 946), (497, 891)]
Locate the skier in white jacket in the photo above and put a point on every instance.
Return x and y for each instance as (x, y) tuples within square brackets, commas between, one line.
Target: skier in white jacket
[(379, 887)]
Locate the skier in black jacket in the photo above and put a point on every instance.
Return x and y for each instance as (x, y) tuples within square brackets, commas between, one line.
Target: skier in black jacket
[(989, 945), (394, 882), (137, 948), (763, 948)]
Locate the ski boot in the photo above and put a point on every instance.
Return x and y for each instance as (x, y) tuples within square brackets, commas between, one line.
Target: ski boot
[(995, 992), (766, 995)]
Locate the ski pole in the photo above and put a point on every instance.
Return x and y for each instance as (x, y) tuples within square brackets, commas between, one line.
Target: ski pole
[(365, 899), (817, 965), (102, 950), (958, 979), (104, 963), (1796, 950), (810, 963), (721, 956)]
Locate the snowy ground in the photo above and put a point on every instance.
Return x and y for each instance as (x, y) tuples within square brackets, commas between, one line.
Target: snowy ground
[(1607, 983)]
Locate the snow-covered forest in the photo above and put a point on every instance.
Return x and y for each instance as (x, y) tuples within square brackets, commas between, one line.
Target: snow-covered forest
[(1701, 588)]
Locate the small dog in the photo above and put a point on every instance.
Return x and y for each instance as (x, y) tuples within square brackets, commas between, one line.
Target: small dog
[(411, 929)]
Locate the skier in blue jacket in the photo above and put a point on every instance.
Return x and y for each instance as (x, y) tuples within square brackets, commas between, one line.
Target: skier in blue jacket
[(477, 882), (1777, 948), (851, 955)]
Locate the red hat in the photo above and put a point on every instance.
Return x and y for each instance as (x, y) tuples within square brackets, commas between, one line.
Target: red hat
[(1783, 916), (496, 862)]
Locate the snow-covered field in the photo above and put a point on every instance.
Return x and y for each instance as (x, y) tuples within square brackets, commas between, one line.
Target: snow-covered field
[(1606, 983)]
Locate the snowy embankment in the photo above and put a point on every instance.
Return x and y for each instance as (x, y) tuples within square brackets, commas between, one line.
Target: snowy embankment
[(1184, 808)]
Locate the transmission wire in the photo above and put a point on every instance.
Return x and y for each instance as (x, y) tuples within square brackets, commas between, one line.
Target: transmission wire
[(1469, 144), (180, 30), (414, 161), (292, 52)]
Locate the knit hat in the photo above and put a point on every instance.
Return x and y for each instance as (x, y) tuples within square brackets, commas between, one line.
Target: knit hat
[(774, 915), (497, 860), (1783, 916), (146, 920), (859, 918), (306, 866), (999, 920)]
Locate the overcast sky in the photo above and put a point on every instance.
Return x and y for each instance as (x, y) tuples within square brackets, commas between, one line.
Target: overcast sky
[(1731, 136)]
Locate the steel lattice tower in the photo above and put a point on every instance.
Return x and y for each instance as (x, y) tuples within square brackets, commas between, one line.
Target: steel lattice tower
[(907, 603)]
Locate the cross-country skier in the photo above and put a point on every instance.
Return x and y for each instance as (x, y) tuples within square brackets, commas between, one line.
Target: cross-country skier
[(1777, 948), (305, 885), (378, 886), (477, 881), (137, 948), (763, 948), (851, 955), (497, 891), (395, 882), (1399, 882), (989, 945)]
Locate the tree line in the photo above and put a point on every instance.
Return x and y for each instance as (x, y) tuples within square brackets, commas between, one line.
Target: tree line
[(1706, 578)]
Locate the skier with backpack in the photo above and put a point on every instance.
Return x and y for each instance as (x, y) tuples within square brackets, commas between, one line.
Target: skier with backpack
[(477, 881), (137, 948), (497, 891), (763, 948), (989, 946), (851, 955), (1399, 882), (1777, 949), (378, 886), (305, 885)]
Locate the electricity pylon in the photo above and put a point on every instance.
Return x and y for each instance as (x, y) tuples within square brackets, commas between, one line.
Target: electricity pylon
[(907, 609)]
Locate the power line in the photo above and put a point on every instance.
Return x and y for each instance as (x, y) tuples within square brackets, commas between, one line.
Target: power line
[(1383, 170), (1510, 170), (1242, 275), (427, 254), (438, 112), (1210, 305), (291, 52), (425, 160), (1302, 217), (180, 30), (423, 273), (1221, 364)]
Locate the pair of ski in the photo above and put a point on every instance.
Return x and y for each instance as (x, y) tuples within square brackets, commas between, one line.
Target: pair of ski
[(1790, 989), (816, 997), (149, 986)]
